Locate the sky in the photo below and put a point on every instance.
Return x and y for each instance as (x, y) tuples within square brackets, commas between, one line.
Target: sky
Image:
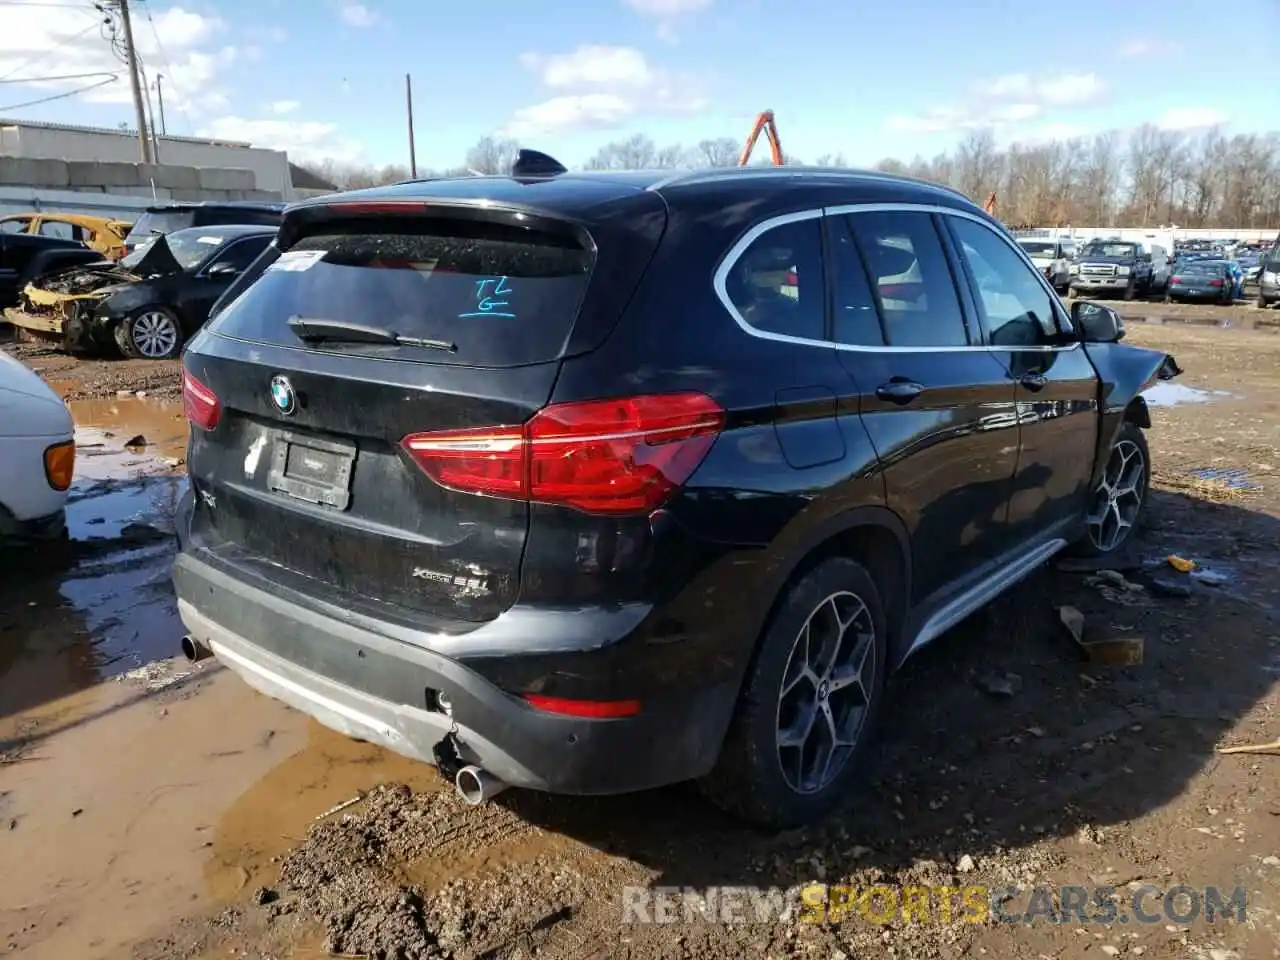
[(325, 78)]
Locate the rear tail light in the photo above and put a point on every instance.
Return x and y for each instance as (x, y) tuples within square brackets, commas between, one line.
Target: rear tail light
[(199, 403), (1175, 279), (600, 456), (60, 464), (1215, 283)]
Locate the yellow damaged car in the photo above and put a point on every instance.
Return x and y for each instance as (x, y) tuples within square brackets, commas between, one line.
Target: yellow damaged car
[(102, 234)]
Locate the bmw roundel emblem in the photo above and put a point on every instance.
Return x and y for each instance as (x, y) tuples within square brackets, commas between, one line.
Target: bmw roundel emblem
[(282, 395)]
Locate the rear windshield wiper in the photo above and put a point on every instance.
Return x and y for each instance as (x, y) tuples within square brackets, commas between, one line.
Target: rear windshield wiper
[(319, 330)]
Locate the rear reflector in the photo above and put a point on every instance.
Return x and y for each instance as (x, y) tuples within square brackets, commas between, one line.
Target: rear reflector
[(60, 464), (600, 456), (1175, 279), (590, 709), (199, 403), (1215, 283)]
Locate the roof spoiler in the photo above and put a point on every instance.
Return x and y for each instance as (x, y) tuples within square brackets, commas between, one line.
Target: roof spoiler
[(533, 163)]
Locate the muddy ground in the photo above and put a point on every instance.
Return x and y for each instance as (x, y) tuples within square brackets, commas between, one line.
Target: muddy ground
[(149, 809)]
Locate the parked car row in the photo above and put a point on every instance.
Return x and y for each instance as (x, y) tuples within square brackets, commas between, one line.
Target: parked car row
[(180, 260)]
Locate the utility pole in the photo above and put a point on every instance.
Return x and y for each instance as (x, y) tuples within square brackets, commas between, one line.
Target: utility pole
[(131, 57), (160, 96), (413, 155)]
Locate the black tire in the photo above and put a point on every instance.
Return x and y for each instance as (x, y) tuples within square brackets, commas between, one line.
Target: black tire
[(1131, 290), (748, 780), (1261, 302), (130, 335), (1098, 546)]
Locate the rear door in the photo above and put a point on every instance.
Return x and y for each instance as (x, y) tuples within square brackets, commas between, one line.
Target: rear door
[(306, 477), (938, 406), (1056, 386)]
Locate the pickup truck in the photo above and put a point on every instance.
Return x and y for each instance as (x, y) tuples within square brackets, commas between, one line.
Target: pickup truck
[(1111, 267)]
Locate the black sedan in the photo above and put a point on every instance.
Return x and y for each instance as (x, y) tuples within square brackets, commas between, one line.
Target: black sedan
[(150, 302), (1205, 280)]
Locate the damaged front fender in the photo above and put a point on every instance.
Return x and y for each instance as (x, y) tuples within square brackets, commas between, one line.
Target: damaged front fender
[(1124, 373)]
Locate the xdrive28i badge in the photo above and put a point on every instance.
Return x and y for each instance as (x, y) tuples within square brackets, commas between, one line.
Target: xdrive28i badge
[(283, 396)]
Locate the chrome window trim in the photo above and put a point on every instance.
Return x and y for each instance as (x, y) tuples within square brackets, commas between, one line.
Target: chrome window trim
[(719, 280)]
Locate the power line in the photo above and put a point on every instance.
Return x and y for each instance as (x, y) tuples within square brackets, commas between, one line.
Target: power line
[(57, 46), (59, 96), (168, 65), (41, 3), (63, 76)]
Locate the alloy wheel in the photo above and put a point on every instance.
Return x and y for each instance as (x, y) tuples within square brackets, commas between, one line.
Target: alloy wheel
[(1118, 498), (826, 690), (154, 334)]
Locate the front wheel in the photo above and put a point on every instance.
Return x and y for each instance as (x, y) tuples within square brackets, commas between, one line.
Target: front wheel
[(1261, 302), (809, 704), (153, 333), (1121, 496), (1131, 290)]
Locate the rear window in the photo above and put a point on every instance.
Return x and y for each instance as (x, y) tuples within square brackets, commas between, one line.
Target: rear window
[(501, 295), (152, 224)]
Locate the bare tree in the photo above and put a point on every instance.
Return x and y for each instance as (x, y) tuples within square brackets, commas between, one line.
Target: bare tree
[(720, 152), (977, 165), (492, 155), (635, 153), (1146, 177)]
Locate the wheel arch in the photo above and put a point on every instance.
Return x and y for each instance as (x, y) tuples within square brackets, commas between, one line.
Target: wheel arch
[(875, 537)]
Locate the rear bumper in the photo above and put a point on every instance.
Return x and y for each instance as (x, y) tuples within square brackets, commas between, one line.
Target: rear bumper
[(375, 687)]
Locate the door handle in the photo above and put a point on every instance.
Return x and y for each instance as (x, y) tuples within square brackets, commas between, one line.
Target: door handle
[(899, 391), (1035, 382)]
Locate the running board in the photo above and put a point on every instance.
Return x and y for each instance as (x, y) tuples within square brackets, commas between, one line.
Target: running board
[(981, 594)]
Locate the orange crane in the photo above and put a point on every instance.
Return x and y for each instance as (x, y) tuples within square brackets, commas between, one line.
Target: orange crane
[(764, 124)]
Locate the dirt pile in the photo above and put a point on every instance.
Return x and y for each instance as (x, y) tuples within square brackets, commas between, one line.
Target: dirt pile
[(348, 875)]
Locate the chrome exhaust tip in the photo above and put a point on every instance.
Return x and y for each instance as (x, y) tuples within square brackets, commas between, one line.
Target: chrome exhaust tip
[(194, 650), (475, 785)]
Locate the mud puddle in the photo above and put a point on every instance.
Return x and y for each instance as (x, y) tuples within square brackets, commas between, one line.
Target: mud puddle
[(136, 788), (1170, 394)]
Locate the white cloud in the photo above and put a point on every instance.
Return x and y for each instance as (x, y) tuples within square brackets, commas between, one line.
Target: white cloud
[(667, 13), (303, 140), (285, 106), (35, 40), (667, 8), (357, 15), (600, 87), (591, 64), (1146, 47), (1012, 99), (570, 114), (1192, 118)]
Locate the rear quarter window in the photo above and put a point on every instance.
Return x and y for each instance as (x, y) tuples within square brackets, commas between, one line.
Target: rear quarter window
[(501, 296)]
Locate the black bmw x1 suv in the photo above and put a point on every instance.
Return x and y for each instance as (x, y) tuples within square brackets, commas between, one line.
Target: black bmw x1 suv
[(590, 483)]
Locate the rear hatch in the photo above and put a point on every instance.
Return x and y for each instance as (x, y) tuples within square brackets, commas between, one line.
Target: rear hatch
[(305, 479)]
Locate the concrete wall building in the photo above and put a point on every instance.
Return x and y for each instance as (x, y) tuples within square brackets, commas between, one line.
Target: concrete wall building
[(53, 141)]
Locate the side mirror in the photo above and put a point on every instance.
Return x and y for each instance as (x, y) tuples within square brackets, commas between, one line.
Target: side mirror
[(223, 270), (1096, 323)]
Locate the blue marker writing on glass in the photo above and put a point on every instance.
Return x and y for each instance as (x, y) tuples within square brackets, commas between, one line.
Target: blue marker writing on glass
[(490, 306)]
